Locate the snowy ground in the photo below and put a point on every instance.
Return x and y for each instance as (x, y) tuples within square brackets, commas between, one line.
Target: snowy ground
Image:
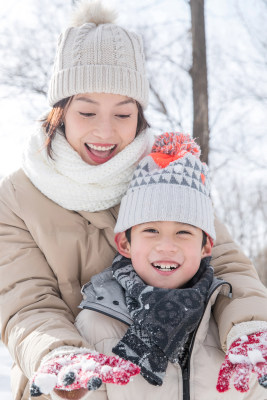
[(5, 365)]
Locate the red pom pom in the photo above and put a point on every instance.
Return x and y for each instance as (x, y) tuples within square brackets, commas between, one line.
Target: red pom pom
[(169, 147)]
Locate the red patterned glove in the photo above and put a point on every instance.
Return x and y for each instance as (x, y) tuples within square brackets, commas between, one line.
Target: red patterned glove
[(245, 356), (80, 369)]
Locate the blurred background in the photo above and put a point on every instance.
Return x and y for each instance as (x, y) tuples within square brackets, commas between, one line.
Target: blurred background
[(207, 67)]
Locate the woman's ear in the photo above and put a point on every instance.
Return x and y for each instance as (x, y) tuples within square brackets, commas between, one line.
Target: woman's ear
[(206, 250), (123, 245)]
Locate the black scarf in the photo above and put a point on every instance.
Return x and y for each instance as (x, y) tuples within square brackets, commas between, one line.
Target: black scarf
[(163, 319)]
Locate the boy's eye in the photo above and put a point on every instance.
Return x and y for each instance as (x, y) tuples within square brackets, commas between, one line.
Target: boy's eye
[(86, 114), (150, 230), (184, 233)]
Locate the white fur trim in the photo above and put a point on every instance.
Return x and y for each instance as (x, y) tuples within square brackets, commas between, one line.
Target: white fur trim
[(245, 328), (93, 11)]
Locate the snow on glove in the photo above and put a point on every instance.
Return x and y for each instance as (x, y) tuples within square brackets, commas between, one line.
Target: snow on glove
[(80, 369), (245, 356)]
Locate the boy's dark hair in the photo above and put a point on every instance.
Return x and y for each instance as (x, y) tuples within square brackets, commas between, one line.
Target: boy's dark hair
[(128, 237), (128, 234)]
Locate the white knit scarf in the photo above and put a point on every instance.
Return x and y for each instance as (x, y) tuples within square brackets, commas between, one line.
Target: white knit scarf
[(74, 184)]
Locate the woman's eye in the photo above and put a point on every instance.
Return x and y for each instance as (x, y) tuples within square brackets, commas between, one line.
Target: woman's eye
[(86, 114), (123, 116)]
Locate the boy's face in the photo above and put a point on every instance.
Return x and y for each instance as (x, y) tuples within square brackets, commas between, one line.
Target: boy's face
[(164, 254)]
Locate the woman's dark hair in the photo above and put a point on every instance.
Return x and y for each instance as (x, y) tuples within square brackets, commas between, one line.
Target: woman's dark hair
[(142, 123), (54, 120), (128, 237)]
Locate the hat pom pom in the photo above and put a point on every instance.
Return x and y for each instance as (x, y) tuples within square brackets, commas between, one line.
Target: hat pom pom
[(171, 146), (92, 12), (175, 144)]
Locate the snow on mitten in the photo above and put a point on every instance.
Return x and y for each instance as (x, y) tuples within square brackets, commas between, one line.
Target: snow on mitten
[(245, 356), (75, 368)]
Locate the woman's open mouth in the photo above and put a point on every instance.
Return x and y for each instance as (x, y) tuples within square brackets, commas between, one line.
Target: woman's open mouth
[(100, 153)]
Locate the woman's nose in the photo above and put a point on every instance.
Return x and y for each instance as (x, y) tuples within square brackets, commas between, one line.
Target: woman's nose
[(104, 129)]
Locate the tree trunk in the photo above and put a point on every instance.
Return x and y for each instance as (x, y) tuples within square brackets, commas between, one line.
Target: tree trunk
[(199, 78)]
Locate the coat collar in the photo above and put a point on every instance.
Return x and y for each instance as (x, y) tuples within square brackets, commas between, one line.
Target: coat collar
[(105, 295), (102, 219)]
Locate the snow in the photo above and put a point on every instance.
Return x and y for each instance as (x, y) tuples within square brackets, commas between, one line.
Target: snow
[(238, 358), (250, 349), (106, 369), (5, 365), (255, 356), (90, 365), (244, 338), (46, 382)]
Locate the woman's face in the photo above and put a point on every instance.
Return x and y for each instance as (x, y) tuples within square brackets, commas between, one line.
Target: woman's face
[(100, 125)]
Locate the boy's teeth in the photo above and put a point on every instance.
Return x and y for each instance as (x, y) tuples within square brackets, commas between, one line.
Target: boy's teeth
[(100, 148), (165, 267)]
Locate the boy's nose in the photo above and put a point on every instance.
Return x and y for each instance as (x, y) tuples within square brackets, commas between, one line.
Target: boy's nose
[(167, 245)]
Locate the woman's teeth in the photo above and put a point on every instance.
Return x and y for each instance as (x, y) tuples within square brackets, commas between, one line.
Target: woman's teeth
[(100, 148), (165, 267)]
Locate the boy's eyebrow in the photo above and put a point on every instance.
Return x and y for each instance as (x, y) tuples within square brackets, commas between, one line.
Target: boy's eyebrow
[(185, 224), (88, 100)]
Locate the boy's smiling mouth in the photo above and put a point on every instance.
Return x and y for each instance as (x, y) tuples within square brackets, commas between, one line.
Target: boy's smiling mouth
[(165, 266)]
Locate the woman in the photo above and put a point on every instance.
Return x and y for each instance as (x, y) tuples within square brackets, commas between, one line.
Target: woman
[(58, 212)]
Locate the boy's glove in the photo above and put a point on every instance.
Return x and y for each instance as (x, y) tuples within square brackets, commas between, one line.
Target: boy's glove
[(245, 356), (76, 370)]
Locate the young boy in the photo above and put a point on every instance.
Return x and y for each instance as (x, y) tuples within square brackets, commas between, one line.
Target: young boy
[(153, 305)]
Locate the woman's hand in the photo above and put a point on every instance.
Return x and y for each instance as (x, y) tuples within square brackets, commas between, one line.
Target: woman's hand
[(72, 373), (73, 394)]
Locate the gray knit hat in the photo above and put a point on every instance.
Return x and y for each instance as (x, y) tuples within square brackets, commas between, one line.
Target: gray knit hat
[(95, 55), (170, 184)]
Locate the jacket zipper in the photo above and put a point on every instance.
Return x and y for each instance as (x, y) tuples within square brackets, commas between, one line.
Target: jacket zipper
[(186, 369), (186, 386)]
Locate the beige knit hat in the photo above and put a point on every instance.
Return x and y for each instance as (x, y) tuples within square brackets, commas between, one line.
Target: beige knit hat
[(95, 55)]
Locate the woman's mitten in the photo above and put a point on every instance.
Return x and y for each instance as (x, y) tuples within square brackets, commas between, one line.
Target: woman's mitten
[(80, 369), (245, 356)]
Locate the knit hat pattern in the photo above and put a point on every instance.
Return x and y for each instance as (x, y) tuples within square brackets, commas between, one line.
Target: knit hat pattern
[(98, 56), (170, 184)]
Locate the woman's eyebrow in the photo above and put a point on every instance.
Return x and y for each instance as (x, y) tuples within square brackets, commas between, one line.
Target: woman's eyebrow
[(127, 101), (86, 99)]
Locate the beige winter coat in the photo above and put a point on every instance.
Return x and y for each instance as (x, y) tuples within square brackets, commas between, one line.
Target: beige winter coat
[(104, 332), (47, 253)]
